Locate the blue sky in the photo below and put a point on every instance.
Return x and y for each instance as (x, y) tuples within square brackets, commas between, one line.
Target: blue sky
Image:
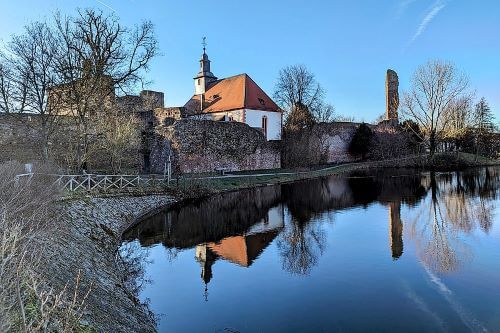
[(349, 45)]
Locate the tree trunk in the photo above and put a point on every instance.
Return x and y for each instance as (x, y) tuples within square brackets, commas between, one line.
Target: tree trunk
[(477, 148), (432, 144), (45, 137)]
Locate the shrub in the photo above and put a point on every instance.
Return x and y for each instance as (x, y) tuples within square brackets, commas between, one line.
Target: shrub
[(361, 141), (27, 212)]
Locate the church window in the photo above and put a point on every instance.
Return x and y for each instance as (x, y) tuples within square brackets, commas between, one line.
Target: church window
[(264, 125), (262, 102)]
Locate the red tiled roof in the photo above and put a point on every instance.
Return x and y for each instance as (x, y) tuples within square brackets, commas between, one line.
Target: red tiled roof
[(233, 93)]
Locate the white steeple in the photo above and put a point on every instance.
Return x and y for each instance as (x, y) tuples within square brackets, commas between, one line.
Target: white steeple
[(204, 76)]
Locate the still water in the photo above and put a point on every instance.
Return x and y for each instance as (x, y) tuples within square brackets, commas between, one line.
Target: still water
[(380, 252)]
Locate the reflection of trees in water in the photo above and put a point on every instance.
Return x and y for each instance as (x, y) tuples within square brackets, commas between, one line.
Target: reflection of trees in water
[(449, 204), (459, 203), (300, 245), (133, 259), (303, 240)]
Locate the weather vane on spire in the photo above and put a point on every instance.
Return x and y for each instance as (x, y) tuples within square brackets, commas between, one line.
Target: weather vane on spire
[(204, 43)]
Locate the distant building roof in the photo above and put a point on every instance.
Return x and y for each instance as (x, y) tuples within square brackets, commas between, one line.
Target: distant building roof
[(233, 93)]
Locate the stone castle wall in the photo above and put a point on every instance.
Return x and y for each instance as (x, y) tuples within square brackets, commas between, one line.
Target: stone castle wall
[(328, 143), (20, 139), (199, 145), (324, 143), (203, 146)]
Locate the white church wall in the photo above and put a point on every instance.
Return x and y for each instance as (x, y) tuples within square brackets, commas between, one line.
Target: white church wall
[(253, 118), (275, 220), (237, 115)]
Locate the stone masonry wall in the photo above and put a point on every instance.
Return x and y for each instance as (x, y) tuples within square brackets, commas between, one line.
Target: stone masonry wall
[(87, 244), (328, 143), (323, 143), (20, 139), (392, 95), (203, 146)]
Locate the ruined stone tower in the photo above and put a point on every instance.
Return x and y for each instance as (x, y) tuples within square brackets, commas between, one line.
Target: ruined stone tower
[(392, 95)]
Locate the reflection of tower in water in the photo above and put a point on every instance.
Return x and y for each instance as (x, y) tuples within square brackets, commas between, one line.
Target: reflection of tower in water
[(206, 258), (243, 249), (395, 229)]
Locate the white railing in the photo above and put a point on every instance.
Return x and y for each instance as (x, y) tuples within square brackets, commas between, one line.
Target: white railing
[(106, 182), (93, 182)]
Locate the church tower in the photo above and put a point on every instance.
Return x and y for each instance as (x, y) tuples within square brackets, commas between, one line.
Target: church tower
[(205, 76)]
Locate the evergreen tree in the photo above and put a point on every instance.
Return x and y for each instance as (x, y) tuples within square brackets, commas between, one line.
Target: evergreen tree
[(413, 131), (483, 123), (360, 143)]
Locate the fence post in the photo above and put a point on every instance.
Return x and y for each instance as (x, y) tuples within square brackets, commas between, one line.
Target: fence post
[(88, 183)]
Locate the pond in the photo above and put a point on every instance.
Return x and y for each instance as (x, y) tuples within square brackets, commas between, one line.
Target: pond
[(390, 250)]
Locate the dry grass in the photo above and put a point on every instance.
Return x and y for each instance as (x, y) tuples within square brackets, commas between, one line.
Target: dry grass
[(27, 215)]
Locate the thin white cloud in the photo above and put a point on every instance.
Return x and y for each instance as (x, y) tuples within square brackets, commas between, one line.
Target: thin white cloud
[(106, 5), (403, 6), (433, 11)]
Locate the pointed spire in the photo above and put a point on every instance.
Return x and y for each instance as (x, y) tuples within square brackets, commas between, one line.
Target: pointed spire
[(204, 76), (204, 43)]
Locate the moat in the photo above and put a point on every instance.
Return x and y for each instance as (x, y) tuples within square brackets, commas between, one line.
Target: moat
[(370, 251)]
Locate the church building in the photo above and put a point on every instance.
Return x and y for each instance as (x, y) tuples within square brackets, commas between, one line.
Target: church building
[(237, 98)]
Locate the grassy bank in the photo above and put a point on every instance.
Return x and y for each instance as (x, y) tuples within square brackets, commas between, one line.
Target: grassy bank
[(200, 185), (439, 162)]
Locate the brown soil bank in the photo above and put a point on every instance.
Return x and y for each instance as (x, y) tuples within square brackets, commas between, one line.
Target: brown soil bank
[(89, 248)]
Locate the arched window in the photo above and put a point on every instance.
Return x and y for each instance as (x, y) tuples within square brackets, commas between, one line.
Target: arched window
[(264, 125)]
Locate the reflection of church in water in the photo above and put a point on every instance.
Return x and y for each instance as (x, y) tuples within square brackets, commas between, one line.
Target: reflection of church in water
[(242, 249), (238, 226)]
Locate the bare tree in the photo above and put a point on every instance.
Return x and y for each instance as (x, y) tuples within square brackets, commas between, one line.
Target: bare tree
[(30, 74), (119, 136), (460, 120), (297, 86), (324, 114), (435, 87), (97, 56), (13, 87), (342, 118), (6, 87)]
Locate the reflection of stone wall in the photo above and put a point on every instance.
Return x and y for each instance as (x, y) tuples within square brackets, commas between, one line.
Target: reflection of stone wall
[(203, 146), (209, 220)]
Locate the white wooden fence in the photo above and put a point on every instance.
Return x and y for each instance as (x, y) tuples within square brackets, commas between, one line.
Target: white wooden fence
[(106, 182), (93, 182)]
